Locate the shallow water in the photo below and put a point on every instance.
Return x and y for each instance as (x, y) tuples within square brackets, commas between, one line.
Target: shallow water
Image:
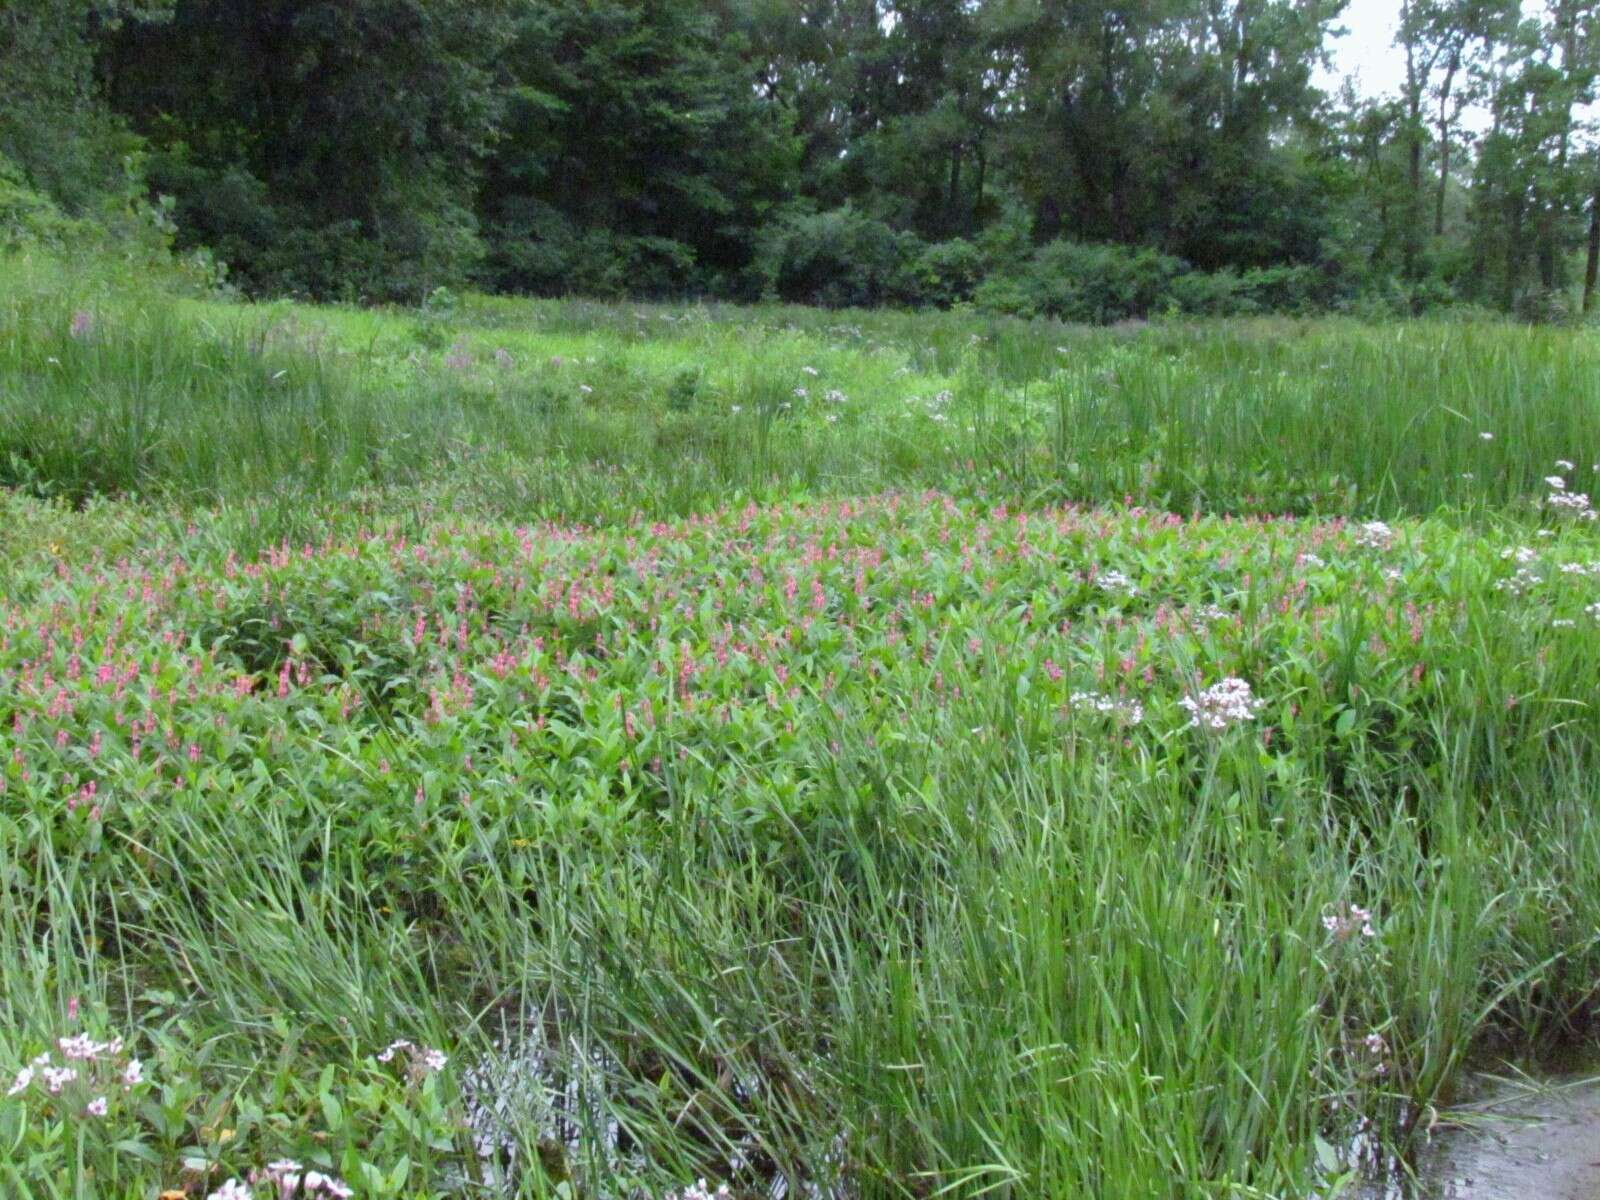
[(1520, 1136), (1516, 1134), (1529, 1140), (530, 1099)]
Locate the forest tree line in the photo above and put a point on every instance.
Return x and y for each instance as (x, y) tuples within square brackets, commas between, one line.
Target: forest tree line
[(1086, 160)]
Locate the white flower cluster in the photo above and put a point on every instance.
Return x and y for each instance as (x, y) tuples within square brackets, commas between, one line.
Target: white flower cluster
[(285, 1179), (1212, 612), (1349, 921), (1116, 582), (92, 1070), (1129, 711), (1222, 705), (935, 406), (1374, 535), (1573, 504), (1521, 555), (1588, 570), (1520, 584), (835, 396), (422, 1060), (699, 1190)]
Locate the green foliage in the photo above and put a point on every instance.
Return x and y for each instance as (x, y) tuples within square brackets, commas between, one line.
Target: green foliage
[(910, 152), (636, 156), (838, 259), (947, 273), (1094, 284), (27, 217), (874, 809), (747, 727), (53, 127), (1302, 289), (524, 404), (345, 184)]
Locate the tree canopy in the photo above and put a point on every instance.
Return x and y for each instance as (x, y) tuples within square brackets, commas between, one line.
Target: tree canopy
[(1017, 152)]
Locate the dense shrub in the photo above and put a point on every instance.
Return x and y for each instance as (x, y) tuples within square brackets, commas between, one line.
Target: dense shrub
[(1294, 289), (27, 216), (839, 258), (538, 250), (276, 247), (946, 273), (1078, 281)]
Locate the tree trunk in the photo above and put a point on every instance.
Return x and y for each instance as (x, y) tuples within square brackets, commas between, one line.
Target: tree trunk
[(1513, 261), (1591, 265), (951, 220), (1547, 248), (1444, 178), (1411, 235), (977, 191), (1444, 142)]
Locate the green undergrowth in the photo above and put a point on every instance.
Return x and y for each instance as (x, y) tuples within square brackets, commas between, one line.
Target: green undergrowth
[(868, 841), (542, 749), (599, 412)]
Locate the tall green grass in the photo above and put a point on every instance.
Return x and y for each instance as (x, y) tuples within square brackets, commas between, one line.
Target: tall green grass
[(591, 411), (838, 922)]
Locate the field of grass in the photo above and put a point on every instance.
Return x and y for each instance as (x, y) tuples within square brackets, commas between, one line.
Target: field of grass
[(821, 754)]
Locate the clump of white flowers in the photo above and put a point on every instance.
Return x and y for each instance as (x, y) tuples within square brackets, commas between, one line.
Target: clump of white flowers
[(90, 1074), (1374, 535), (1130, 712), (286, 1178), (1222, 706), (1350, 921), (1565, 503), (1521, 583), (421, 1061), (699, 1190), (1116, 582)]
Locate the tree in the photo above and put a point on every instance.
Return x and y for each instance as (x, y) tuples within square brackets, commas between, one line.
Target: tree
[(1170, 122), (54, 123), (1530, 186), (637, 152), (325, 145), (1440, 40)]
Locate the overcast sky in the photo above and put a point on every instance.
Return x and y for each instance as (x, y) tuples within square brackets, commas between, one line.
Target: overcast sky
[(1368, 51)]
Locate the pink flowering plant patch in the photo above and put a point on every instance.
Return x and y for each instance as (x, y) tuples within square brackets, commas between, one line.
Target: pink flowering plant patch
[(771, 829)]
